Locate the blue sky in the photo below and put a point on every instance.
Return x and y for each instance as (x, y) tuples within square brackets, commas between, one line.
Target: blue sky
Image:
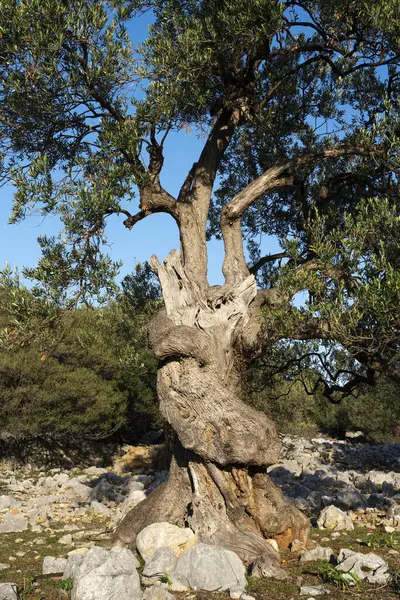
[(157, 234)]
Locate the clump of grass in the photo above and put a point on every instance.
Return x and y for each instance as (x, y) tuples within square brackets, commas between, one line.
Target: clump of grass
[(383, 539), (329, 574), (66, 585)]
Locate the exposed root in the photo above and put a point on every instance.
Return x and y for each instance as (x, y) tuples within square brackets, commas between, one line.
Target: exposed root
[(224, 507)]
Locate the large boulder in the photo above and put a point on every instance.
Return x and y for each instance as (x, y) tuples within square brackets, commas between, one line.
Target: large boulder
[(370, 567), (211, 569), (158, 535), (162, 561), (107, 574), (334, 519)]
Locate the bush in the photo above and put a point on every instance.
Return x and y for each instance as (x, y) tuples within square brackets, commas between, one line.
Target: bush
[(43, 396), (374, 411)]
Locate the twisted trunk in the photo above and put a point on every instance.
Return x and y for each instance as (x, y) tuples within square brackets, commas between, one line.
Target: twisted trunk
[(218, 484)]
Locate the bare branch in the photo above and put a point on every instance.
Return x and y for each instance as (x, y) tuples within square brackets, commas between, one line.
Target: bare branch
[(266, 259)]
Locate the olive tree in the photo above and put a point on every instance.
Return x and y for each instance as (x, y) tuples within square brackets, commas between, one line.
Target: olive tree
[(296, 102)]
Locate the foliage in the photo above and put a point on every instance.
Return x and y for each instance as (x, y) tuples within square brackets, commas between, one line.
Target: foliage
[(383, 539), (66, 585), (302, 95), (83, 371), (286, 393), (329, 574)]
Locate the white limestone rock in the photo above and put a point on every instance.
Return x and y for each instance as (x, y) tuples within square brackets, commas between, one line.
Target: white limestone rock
[(158, 535)]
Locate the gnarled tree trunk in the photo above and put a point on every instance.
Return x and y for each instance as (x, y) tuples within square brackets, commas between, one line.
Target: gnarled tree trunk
[(218, 484)]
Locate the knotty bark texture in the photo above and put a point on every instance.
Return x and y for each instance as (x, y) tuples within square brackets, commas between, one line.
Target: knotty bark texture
[(218, 484)]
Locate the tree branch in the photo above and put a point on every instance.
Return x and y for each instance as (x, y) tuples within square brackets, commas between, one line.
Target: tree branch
[(266, 259), (273, 179)]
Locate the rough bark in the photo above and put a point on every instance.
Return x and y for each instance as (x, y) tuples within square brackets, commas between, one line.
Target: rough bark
[(221, 446)]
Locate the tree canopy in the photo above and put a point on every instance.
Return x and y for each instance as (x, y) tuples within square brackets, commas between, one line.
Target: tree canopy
[(297, 101)]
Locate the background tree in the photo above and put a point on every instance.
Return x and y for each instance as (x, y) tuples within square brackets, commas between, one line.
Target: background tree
[(85, 372), (303, 96)]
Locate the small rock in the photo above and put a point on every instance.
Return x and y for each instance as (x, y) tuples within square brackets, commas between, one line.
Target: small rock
[(66, 540), (313, 590), (318, 553), (158, 535), (13, 523), (73, 563), (54, 565), (8, 591), (95, 471), (365, 566), (100, 509), (268, 566), (4, 566), (334, 519), (350, 500), (273, 543), (296, 546), (8, 502)]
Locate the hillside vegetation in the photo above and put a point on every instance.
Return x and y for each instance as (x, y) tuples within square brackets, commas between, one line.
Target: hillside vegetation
[(88, 371)]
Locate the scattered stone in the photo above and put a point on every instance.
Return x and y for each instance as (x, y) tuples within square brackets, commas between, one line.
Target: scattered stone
[(296, 546), (54, 565), (100, 509), (95, 471), (4, 566), (335, 519), (8, 591), (158, 535), (268, 566), (365, 566), (66, 540), (107, 574), (318, 553), (13, 523), (210, 568), (313, 590), (8, 502)]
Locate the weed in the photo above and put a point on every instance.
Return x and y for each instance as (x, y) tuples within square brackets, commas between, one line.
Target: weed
[(165, 578), (25, 590), (329, 574), (66, 585), (383, 539)]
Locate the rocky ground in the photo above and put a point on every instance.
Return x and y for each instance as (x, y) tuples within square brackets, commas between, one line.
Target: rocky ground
[(54, 531)]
